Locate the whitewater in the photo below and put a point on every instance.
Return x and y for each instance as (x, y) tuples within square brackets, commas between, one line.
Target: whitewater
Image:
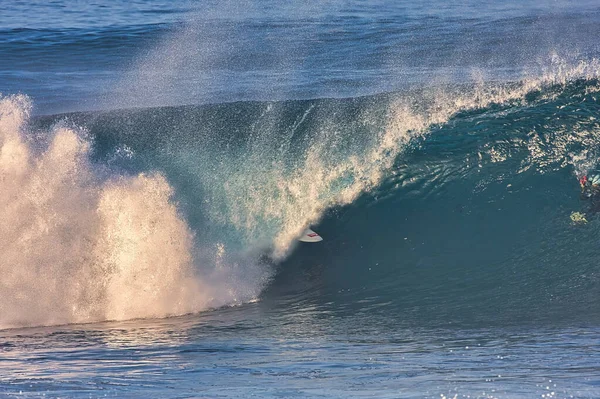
[(155, 179)]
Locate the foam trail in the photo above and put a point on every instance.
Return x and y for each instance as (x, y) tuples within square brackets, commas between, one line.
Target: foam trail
[(76, 247)]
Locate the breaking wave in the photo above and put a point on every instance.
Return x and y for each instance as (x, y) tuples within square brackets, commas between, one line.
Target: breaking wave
[(154, 212)]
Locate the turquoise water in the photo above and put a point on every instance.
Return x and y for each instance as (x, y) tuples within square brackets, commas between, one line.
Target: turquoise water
[(159, 160)]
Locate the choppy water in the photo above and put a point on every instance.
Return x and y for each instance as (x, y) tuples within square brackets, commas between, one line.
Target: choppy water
[(247, 352), (159, 160)]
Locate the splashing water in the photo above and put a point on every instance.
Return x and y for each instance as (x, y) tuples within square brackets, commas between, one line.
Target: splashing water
[(80, 243), (78, 247), (262, 191)]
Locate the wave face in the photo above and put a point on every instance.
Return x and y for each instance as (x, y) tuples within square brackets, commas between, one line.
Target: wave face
[(448, 203), (469, 226)]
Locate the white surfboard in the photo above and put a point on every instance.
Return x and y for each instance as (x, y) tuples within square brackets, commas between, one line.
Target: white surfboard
[(310, 236)]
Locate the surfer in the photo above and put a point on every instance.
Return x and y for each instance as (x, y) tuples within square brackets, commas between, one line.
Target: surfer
[(590, 190)]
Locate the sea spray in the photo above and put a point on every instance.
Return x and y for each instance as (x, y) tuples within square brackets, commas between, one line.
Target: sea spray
[(271, 193), (78, 246), (251, 177)]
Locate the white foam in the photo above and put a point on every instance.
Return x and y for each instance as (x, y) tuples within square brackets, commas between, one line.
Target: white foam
[(75, 247)]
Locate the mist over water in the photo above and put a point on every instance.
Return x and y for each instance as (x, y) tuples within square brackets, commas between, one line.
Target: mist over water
[(210, 52)]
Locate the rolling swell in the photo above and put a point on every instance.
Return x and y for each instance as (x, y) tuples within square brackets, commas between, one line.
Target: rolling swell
[(401, 183)]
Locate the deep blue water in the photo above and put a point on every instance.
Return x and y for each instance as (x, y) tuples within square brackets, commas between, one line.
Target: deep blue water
[(159, 160)]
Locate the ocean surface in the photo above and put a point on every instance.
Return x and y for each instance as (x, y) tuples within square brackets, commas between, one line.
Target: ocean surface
[(160, 159)]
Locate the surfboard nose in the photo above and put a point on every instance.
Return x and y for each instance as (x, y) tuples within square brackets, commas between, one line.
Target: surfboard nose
[(310, 236)]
